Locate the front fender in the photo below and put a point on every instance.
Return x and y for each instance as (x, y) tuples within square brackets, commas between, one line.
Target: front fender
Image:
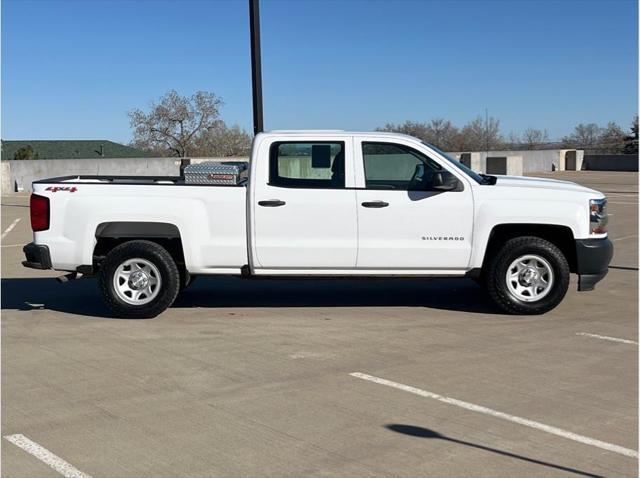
[(493, 213)]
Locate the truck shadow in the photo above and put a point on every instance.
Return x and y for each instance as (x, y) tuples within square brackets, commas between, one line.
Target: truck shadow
[(82, 297)]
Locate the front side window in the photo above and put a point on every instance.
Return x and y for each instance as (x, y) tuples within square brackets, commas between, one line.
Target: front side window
[(465, 169), (307, 165), (397, 167)]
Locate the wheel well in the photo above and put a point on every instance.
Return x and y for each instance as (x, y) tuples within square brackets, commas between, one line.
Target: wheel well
[(561, 236), (112, 234)]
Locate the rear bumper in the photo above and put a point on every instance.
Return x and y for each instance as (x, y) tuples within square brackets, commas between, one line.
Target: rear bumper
[(37, 256), (592, 261)]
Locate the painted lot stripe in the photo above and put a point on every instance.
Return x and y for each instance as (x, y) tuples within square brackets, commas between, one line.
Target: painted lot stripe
[(54, 461), (610, 339), (505, 416), (10, 228), (623, 238), (12, 245)]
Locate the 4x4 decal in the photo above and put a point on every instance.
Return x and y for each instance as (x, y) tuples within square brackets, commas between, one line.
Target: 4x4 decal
[(55, 189)]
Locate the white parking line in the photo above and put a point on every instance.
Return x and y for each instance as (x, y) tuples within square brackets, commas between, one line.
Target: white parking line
[(505, 416), (610, 339), (12, 245), (54, 461), (10, 228), (623, 238)]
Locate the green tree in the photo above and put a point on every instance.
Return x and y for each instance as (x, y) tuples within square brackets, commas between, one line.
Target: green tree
[(25, 152), (631, 141)]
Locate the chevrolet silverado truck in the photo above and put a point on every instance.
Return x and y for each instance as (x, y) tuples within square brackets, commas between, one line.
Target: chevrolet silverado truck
[(323, 203)]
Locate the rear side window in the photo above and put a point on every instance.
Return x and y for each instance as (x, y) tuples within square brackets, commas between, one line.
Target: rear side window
[(318, 165)]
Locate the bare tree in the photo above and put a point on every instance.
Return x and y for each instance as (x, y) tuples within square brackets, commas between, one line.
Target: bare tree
[(443, 134), (173, 124), (222, 141), (481, 135), (584, 136), (513, 141), (611, 140), (412, 128), (439, 132), (533, 137)]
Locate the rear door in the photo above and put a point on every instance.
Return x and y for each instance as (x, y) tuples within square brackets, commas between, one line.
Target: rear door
[(414, 213), (304, 212)]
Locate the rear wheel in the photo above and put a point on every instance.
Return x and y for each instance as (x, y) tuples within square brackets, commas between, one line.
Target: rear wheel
[(528, 275), (139, 279)]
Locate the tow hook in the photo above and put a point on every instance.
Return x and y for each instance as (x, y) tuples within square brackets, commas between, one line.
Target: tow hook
[(69, 277)]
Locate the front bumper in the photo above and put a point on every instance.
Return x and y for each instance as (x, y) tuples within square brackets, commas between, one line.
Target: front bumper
[(592, 261), (37, 256)]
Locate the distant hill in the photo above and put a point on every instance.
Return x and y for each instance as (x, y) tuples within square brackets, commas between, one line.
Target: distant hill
[(71, 149)]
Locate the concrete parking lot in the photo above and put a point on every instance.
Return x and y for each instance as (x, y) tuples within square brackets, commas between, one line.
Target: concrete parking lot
[(323, 378)]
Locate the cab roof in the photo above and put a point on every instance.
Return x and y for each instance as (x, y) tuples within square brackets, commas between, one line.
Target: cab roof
[(336, 132)]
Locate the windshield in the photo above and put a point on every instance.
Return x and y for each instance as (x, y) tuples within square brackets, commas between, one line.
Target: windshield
[(454, 162)]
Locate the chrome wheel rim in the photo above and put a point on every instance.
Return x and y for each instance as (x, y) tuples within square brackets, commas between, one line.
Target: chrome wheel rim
[(530, 278), (137, 281)]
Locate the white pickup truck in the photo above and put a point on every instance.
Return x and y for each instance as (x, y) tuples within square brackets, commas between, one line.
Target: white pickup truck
[(324, 203)]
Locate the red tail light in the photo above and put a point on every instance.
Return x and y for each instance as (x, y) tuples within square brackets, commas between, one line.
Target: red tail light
[(39, 206)]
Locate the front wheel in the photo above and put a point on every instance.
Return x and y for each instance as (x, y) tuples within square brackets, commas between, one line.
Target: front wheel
[(528, 275), (139, 279)]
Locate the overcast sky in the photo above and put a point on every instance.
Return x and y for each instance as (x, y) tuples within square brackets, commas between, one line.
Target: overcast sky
[(72, 69)]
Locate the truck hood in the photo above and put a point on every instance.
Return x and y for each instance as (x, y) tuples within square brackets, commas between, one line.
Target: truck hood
[(544, 183)]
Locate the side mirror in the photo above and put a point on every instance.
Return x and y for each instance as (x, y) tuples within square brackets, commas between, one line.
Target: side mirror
[(445, 181)]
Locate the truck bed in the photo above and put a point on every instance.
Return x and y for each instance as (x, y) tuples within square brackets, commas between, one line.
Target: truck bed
[(130, 180), (210, 218)]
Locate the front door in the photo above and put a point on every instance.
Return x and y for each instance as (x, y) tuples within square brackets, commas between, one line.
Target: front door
[(305, 217), (413, 213)]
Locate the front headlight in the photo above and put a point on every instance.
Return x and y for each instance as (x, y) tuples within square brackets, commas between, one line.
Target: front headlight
[(598, 217)]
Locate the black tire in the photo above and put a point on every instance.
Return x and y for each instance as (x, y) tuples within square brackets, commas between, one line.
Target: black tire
[(160, 258), (496, 281)]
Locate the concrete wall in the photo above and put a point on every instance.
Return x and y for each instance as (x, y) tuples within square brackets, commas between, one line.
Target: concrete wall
[(23, 172), (610, 162), (221, 160), (5, 177), (532, 161), (515, 166), (18, 174)]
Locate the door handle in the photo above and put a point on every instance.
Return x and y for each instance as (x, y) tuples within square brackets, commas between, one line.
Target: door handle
[(271, 203), (375, 204)]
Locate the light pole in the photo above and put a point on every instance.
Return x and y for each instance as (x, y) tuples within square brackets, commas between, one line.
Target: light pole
[(256, 66)]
